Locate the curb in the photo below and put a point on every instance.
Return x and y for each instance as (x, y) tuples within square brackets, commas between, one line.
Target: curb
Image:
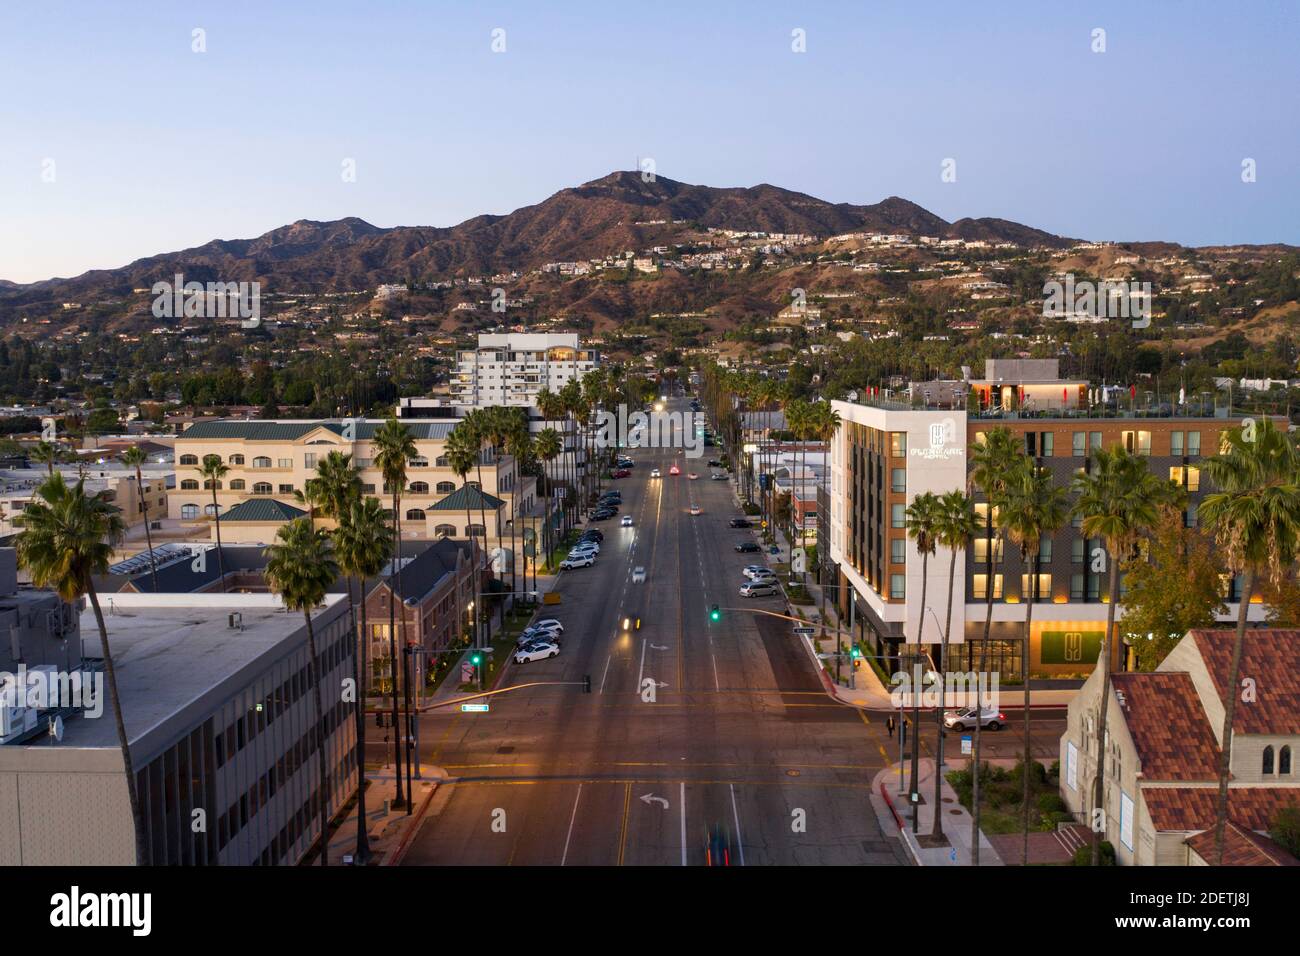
[(395, 856)]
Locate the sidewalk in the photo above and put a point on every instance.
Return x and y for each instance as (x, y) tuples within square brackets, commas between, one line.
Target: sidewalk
[(889, 794), (390, 831)]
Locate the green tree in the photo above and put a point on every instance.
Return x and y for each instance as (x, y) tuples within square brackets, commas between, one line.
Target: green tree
[(67, 539), (46, 454), (924, 518), (300, 568), (134, 457), (1255, 518), (212, 471), (1171, 588)]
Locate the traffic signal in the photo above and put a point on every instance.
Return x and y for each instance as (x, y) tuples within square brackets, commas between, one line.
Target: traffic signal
[(855, 653), (476, 659), (586, 684), (715, 614)]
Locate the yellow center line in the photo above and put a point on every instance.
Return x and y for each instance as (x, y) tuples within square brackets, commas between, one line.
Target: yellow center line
[(622, 838)]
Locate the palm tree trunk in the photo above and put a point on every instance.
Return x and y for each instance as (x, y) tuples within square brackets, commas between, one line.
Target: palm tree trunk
[(148, 536), (323, 801), (938, 712), (216, 523), (1024, 663), (989, 580), (1103, 661), (915, 788), (400, 664), (393, 581), (110, 670), (1229, 711), (358, 669)]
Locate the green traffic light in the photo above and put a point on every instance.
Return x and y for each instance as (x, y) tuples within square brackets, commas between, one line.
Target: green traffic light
[(715, 614), (476, 660)]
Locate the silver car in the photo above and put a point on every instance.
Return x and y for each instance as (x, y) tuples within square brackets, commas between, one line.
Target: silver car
[(759, 589), (990, 719)]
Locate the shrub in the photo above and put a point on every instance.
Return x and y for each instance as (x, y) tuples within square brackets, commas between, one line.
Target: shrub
[(1285, 830), (1083, 855)]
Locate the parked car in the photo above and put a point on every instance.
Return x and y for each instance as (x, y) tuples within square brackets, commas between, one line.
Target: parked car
[(752, 571), (584, 561), (538, 637), (602, 515), (627, 521), (759, 589), (714, 463), (718, 476), (593, 534), (748, 547), (621, 473), (654, 473), (990, 719), (536, 652), (739, 523), (549, 622), (638, 575)]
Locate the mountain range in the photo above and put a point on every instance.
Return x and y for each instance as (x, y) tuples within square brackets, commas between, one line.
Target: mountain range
[(607, 215)]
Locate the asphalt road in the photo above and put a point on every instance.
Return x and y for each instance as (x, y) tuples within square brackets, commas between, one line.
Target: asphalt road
[(690, 724)]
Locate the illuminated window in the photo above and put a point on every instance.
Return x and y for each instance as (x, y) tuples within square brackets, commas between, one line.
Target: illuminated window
[(898, 444), (1176, 444), (898, 586), (982, 550), (1044, 586), (898, 479), (1079, 444), (898, 550), (1193, 443), (979, 586), (1191, 475), (898, 516)]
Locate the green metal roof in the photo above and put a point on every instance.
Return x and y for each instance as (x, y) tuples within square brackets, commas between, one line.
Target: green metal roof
[(468, 496), (293, 430), (262, 509)]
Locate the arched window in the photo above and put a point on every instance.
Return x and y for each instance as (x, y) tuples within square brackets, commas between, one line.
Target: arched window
[(236, 459), (207, 484), (238, 485), (261, 461), (189, 512), (211, 510), (262, 488), (474, 484), (446, 487), (419, 488), (440, 461), (189, 459), (1268, 760), (475, 531), (419, 461), (415, 514), (189, 484), (1284, 761), (444, 531)]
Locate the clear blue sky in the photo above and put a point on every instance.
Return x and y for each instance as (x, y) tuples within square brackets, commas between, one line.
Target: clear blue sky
[(157, 148)]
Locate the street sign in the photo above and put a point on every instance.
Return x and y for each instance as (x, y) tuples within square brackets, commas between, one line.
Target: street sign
[(966, 744), (805, 630), (474, 708)]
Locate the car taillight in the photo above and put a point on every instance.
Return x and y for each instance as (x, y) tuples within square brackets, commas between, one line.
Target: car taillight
[(1002, 716)]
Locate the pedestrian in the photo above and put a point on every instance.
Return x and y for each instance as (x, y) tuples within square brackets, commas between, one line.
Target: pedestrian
[(889, 726)]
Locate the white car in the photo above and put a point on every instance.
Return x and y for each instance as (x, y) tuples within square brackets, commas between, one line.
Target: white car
[(696, 510), (638, 575), (580, 561), (549, 622), (755, 571), (654, 473), (586, 546), (627, 521), (536, 652)]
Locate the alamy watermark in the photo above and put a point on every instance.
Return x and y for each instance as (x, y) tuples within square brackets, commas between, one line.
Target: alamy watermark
[(655, 429), (961, 690), (1086, 300), (213, 300), (47, 688)]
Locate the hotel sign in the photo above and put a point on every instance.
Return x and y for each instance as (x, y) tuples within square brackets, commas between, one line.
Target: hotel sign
[(943, 442), (1070, 647)]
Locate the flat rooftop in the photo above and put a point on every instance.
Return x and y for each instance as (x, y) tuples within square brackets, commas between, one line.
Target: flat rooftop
[(175, 653)]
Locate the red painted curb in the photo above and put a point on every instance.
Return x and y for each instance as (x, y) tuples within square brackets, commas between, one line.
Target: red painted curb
[(890, 803), (410, 830)]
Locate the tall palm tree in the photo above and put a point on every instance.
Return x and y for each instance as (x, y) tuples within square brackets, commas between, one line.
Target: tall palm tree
[(462, 452), (67, 538), (825, 423), (992, 463), (924, 517), (337, 485), (134, 457), (394, 447), (1119, 501), (362, 542), (300, 567), (1034, 508), (1255, 516), (519, 445), (571, 397), (553, 409), (478, 424), (956, 527), (212, 471), (46, 454), (547, 447)]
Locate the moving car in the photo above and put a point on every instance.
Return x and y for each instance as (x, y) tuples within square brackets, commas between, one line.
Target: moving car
[(748, 547), (739, 523), (692, 476), (990, 718), (583, 561), (759, 589), (536, 652), (717, 848), (638, 575), (674, 470), (627, 521), (696, 510), (654, 473)]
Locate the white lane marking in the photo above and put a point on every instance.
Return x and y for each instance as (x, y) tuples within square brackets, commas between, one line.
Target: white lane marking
[(735, 815), (716, 685), (640, 674), (683, 802), (573, 817), (604, 676)]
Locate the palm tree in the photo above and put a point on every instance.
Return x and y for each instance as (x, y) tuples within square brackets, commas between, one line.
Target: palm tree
[(547, 447), (519, 445), (337, 485), (924, 517), (1034, 508), (956, 527), (134, 457), (1118, 501), (394, 447), (67, 538), (462, 452), (478, 423), (1255, 516), (992, 463), (798, 419), (300, 568), (553, 409), (825, 423), (362, 542), (212, 471), (571, 397), (46, 454)]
